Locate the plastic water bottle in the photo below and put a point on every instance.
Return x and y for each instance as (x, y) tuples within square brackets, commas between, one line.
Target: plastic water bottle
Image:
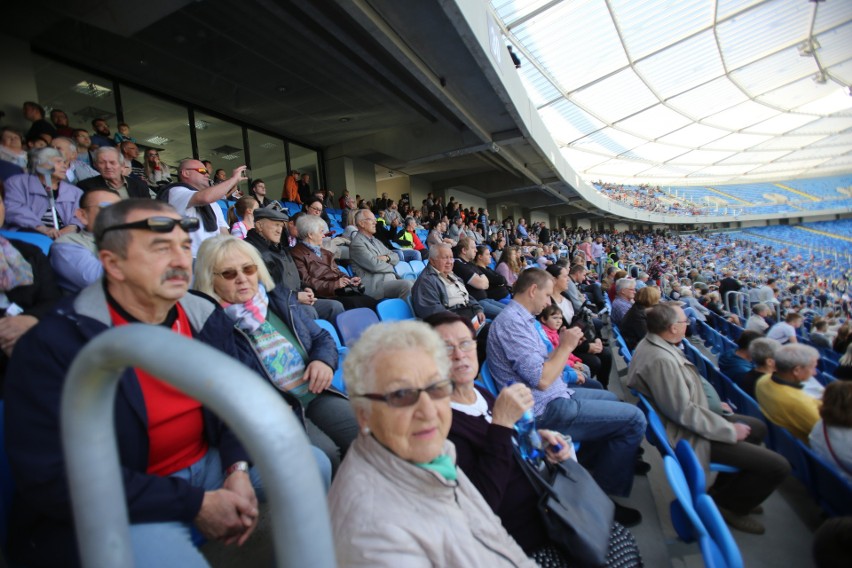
[(529, 441)]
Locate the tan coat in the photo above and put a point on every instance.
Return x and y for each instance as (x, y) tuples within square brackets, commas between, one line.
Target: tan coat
[(386, 511), (660, 371)]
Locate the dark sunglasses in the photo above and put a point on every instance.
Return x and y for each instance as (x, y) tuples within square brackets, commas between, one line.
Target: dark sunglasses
[(158, 225), (204, 171), (409, 397), (231, 273)]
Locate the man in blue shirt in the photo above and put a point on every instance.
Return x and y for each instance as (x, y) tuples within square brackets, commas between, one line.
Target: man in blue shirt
[(610, 431)]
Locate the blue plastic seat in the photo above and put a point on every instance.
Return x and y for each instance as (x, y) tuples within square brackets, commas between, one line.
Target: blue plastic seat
[(404, 270), (394, 309), (827, 485), (417, 266), (656, 432), (337, 381), (487, 379), (42, 241), (719, 532), (352, 324)]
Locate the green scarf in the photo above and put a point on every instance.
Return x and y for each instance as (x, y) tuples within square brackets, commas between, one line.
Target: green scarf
[(442, 465)]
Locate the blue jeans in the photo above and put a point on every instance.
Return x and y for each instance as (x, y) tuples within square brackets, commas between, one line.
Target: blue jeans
[(608, 430), (492, 308), (170, 543)]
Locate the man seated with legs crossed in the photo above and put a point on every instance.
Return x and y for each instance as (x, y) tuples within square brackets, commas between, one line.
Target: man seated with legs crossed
[(180, 464), (609, 431), (660, 371)]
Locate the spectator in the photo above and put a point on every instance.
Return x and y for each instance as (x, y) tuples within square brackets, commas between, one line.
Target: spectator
[(785, 331), (146, 286), (123, 134), (475, 280), (641, 280), (625, 292), (193, 196), (156, 172), (737, 364), (318, 270), (781, 396), (219, 176), (831, 436), (291, 188), (305, 191), (373, 262), (510, 265), (84, 146), (438, 289), (258, 191), (409, 241), (843, 371), (102, 137), (761, 352), (766, 293), (74, 257), (482, 432), (436, 235), (757, 320), (399, 481), (728, 284), (843, 338), (609, 431), (40, 128), (130, 151), (817, 335), (634, 325), (266, 238), (43, 201), (660, 371), (551, 322), (692, 307), (455, 230), (108, 163), (77, 170), (12, 149), (241, 216), (497, 288)]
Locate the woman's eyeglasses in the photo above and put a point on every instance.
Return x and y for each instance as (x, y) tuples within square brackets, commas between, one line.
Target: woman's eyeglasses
[(468, 345), (409, 397), (157, 225), (231, 273)]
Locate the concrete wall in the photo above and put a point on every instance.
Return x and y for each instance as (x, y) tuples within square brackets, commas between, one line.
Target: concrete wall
[(19, 85), (358, 176), (466, 199), (539, 216)]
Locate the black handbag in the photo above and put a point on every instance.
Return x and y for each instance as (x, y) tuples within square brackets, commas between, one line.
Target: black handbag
[(577, 513)]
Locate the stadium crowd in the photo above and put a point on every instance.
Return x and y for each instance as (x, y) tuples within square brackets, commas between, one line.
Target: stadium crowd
[(130, 239)]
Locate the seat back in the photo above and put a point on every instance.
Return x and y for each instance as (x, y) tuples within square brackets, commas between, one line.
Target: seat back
[(656, 432), (417, 266), (692, 470), (394, 309), (352, 324), (788, 446), (487, 379), (831, 490), (403, 269), (37, 239), (719, 532)]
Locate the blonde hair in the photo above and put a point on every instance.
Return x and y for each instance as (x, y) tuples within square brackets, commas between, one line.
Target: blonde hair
[(211, 252)]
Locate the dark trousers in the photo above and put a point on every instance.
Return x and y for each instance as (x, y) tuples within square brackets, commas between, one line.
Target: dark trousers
[(761, 469)]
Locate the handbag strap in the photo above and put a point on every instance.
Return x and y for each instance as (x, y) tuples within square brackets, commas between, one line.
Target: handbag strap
[(831, 450), (533, 475)]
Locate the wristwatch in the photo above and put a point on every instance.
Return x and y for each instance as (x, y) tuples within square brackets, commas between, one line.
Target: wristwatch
[(239, 466)]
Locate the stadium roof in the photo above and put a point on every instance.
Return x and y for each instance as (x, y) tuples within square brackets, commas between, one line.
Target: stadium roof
[(687, 92)]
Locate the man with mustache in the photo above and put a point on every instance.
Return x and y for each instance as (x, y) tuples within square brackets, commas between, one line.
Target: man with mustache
[(180, 464)]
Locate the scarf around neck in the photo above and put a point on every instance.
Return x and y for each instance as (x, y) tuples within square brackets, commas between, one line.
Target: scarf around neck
[(251, 314)]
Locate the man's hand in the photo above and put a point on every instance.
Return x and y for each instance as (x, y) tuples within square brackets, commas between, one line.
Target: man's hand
[(306, 297), (727, 408), (237, 174), (481, 317), (343, 282), (318, 375), (355, 280), (511, 404), (570, 337), (595, 347), (240, 483), (11, 330), (743, 431), (226, 515), (553, 440)]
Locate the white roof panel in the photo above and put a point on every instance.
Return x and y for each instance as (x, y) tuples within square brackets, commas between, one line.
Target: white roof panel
[(638, 21), (654, 122), (605, 98), (681, 67)]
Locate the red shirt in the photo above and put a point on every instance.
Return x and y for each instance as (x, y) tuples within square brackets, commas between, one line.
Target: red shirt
[(175, 421)]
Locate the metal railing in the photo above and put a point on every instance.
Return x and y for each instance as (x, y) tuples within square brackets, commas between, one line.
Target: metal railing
[(252, 409), (741, 302)]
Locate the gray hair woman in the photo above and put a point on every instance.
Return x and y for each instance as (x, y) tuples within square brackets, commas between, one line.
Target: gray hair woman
[(318, 270), (298, 355), (42, 200), (399, 496)]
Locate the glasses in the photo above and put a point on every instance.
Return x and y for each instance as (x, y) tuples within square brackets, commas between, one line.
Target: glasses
[(153, 155), (315, 209), (158, 225), (204, 171), (409, 397), (468, 345), (100, 205), (231, 273), (682, 321)]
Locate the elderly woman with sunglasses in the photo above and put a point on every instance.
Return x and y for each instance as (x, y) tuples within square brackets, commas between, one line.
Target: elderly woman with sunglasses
[(399, 499), (482, 432), (298, 355)]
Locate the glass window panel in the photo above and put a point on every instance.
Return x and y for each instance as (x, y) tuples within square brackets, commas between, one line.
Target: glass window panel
[(220, 142), (798, 93), (268, 162), (655, 152), (305, 160), (741, 115), (708, 98), (654, 122), (568, 122), (693, 135), (611, 141), (157, 123), (700, 157), (683, 66), (774, 71), (580, 161), (736, 141), (605, 98), (788, 142), (836, 99), (782, 123), (754, 158), (82, 95), (640, 22)]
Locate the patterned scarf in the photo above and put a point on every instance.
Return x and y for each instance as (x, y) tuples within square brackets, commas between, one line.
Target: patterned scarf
[(251, 314), (14, 270)]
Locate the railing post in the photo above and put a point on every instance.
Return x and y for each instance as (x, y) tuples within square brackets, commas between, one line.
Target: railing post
[(248, 404)]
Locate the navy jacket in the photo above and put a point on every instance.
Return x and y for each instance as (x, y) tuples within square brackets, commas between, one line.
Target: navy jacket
[(41, 531)]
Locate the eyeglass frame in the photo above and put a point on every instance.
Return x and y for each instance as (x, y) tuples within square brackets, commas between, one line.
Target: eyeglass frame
[(428, 389), (471, 345), (202, 171), (252, 269), (188, 224)]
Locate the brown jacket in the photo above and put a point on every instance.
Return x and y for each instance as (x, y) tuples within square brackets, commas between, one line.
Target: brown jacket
[(321, 274)]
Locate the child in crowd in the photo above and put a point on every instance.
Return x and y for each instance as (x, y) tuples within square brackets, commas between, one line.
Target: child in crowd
[(241, 216), (576, 373), (123, 134)]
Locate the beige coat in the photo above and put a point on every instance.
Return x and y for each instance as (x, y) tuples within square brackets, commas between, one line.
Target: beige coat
[(660, 371), (386, 511)]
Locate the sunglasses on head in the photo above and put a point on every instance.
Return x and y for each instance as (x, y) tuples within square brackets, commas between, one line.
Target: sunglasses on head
[(409, 397), (231, 273), (158, 225)]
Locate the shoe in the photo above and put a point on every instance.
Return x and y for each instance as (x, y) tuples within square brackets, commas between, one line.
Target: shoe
[(641, 467), (742, 523), (626, 516)]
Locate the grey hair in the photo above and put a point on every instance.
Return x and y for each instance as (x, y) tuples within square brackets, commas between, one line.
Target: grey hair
[(39, 156), (757, 309), (211, 252), (762, 349), (793, 355), (662, 316), (642, 275), (359, 215), (359, 368), (116, 214), (624, 283), (104, 149), (71, 143), (435, 249), (307, 224)]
